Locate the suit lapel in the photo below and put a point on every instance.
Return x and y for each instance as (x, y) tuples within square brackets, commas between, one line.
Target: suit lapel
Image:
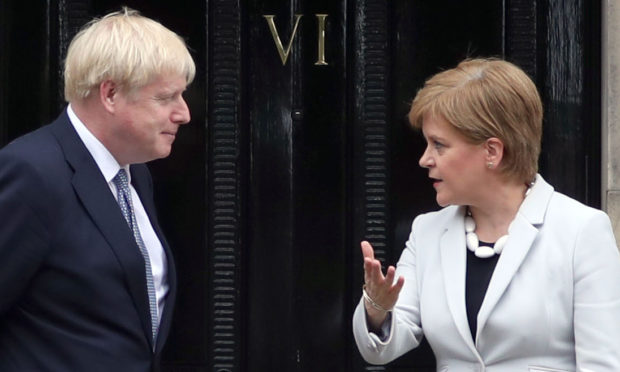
[(522, 234), (453, 266), (520, 240), (94, 193)]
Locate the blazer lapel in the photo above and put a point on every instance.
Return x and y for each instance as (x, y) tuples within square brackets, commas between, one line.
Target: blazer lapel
[(453, 265), (522, 233), (94, 193), (520, 240)]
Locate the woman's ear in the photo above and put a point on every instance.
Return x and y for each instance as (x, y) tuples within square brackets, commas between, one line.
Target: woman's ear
[(494, 149)]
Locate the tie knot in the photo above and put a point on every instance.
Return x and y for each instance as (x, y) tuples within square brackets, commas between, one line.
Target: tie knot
[(120, 180)]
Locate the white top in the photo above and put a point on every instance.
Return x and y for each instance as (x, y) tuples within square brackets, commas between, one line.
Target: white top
[(109, 167)]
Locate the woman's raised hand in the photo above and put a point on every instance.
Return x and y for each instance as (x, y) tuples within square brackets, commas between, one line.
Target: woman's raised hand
[(381, 292)]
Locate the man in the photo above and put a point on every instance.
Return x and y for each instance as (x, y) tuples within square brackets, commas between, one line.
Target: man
[(87, 281)]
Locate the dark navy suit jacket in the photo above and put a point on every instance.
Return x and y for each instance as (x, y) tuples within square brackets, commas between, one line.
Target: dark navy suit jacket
[(72, 280)]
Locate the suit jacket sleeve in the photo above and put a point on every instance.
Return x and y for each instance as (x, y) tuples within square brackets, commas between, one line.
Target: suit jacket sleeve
[(596, 265), (405, 332), (24, 231)]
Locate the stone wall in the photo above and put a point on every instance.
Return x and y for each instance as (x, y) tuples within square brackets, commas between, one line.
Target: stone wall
[(610, 130)]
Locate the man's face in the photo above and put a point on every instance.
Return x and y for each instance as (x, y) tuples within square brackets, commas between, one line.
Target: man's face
[(148, 120)]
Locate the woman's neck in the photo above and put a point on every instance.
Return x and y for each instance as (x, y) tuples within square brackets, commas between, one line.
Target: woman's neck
[(497, 210)]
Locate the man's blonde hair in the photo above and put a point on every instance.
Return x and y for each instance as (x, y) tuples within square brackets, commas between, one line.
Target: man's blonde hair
[(485, 98), (127, 48)]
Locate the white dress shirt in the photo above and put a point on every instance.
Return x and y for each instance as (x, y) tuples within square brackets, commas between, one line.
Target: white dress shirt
[(109, 167)]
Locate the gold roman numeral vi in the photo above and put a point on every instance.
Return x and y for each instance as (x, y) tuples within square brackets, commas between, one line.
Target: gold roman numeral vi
[(284, 53)]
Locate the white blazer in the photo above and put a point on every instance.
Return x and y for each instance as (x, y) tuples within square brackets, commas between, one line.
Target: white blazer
[(553, 302)]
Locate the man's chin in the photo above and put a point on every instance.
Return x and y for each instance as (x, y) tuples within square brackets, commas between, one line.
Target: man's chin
[(163, 152), (153, 156)]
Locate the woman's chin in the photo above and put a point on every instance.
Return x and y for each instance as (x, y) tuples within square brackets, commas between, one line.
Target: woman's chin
[(442, 203)]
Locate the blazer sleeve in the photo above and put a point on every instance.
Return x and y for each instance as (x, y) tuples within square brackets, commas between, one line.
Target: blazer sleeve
[(24, 236), (404, 332), (596, 265)]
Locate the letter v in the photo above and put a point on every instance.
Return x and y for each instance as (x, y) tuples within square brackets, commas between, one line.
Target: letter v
[(272, 27)]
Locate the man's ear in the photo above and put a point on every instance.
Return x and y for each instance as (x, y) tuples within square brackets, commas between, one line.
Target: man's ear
[(108, 94), (494, 148)]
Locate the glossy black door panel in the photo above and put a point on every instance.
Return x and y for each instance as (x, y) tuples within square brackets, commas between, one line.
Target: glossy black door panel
[(298, 151)]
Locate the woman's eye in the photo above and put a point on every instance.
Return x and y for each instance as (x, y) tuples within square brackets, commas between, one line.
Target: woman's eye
[(437, 145)]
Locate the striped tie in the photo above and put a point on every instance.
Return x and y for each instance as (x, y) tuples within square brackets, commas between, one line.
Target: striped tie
[(124, 201)]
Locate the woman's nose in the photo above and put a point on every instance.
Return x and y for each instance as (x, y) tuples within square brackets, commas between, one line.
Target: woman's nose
[(425, 160)]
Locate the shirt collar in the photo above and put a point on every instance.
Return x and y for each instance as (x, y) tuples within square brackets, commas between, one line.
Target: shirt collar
[(106, 162)]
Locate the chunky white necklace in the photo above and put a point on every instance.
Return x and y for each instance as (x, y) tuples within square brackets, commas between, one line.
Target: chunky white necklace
[(473, 243), (471, 238)]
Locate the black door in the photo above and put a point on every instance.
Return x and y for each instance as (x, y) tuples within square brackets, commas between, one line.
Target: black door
[(299, 150)]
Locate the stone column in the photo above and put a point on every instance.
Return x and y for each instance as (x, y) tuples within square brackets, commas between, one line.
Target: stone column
[(610, 131)]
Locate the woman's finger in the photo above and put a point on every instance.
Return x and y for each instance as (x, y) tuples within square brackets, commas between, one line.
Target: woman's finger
[(389, 276), (373, 277), (398, 286), (367, 269), (367, 250), (376, 275), (372, 271)]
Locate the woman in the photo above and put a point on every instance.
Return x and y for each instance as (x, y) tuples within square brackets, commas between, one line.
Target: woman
[(510, 275)]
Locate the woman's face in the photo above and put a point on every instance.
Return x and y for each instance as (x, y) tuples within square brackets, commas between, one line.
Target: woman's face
[(456, 166)]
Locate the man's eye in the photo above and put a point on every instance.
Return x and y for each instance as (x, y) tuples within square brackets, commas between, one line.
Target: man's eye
[(164, 98)]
